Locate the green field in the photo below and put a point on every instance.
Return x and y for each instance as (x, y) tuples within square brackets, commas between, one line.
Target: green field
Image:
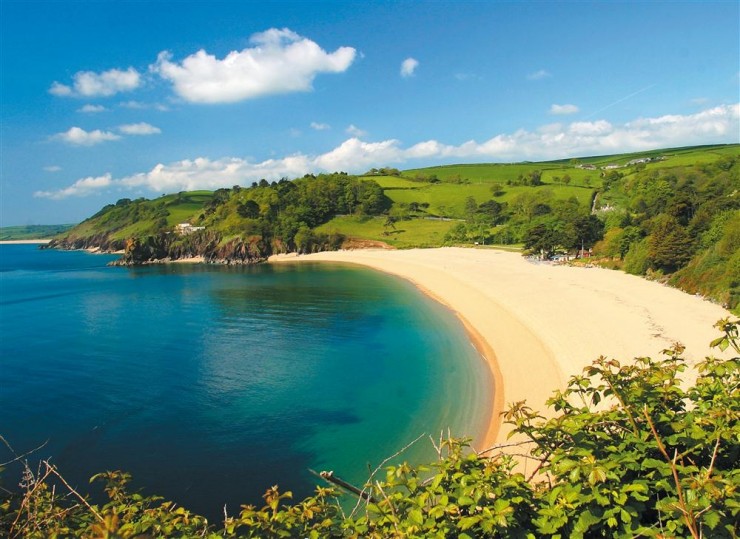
[(415, 195), (405, 235), (31, 232), (184, 207)]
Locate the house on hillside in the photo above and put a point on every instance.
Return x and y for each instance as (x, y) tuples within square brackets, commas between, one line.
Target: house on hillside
[(186, 228)]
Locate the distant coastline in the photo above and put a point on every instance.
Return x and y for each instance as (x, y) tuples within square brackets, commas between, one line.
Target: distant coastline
[(538, 324), (24, 242)]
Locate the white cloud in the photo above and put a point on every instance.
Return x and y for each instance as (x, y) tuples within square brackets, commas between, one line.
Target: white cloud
[(92, 109), (600, 127), (408, 67), (141, 128), (553, 141), (204, 173), (539, 75), (280, 61), (52, 168), (105, 84), (354, 154), (77, 136), (355, 131), (138, 105), (320, 126), (80, 188), (563, 110)]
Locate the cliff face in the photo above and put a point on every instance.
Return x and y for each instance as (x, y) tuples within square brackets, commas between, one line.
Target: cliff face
[(99, 242), (167, 247)]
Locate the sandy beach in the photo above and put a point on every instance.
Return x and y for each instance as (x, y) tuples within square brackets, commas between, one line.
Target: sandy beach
[(537, 324), (22, 242)]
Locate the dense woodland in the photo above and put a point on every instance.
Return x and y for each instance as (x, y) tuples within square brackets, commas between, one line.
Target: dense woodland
[(628, 452)]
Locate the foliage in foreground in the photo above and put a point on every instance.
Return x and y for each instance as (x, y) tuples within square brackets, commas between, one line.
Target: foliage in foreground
[(628, 452)]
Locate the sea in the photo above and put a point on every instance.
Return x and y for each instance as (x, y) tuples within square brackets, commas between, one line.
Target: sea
[(211, 383)]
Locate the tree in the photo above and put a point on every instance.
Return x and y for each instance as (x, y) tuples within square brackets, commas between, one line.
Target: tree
[(249, 209), (534, 178), (497, 189), (669, 245), (587, 231), (542, 238), (390, 222), (471, 207), (610, 178), (492, 212)]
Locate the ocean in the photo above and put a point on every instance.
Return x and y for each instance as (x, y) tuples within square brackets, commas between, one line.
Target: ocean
[(209, 384)]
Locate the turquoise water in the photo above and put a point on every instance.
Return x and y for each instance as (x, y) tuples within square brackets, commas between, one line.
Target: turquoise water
[(210, 383)]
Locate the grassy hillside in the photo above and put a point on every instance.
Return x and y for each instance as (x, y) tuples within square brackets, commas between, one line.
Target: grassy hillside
[(670, 214), (132, 218)]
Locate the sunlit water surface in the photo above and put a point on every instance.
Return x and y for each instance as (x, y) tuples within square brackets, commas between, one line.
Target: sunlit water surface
[(210, 383)]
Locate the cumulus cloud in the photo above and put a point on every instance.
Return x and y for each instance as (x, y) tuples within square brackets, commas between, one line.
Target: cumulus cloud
[(539, 75), (600, 127), (354, 154), (91, 109), (76, 136), (80, 188), (408, 67), (204, 173), (355, 131), (320, 126), (105, 84), (553, 141), (562, 110), (141, 128), (280, 61)]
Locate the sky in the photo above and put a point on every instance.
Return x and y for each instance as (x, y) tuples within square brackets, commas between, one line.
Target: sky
[(103, 100)]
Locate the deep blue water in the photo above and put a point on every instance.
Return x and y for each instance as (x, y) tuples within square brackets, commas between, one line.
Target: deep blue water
[(210, 383)]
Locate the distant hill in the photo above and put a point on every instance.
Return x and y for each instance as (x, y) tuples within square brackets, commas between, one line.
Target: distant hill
[(32, 232), (671, 214)]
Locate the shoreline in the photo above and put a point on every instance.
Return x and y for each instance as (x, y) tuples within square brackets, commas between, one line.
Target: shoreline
[(24, 242), (536, 325)]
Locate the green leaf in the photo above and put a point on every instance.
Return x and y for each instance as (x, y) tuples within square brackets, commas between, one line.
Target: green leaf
[(469, 522), (416, 517), (711, 519), (465, 500)]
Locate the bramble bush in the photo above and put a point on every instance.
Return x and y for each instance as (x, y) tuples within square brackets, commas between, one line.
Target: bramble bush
[(629, 451)]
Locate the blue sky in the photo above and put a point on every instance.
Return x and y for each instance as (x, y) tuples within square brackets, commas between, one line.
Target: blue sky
[(104, 100)]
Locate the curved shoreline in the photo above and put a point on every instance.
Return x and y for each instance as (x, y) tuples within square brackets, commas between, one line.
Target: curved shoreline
[(24, 242), (538, 324)]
